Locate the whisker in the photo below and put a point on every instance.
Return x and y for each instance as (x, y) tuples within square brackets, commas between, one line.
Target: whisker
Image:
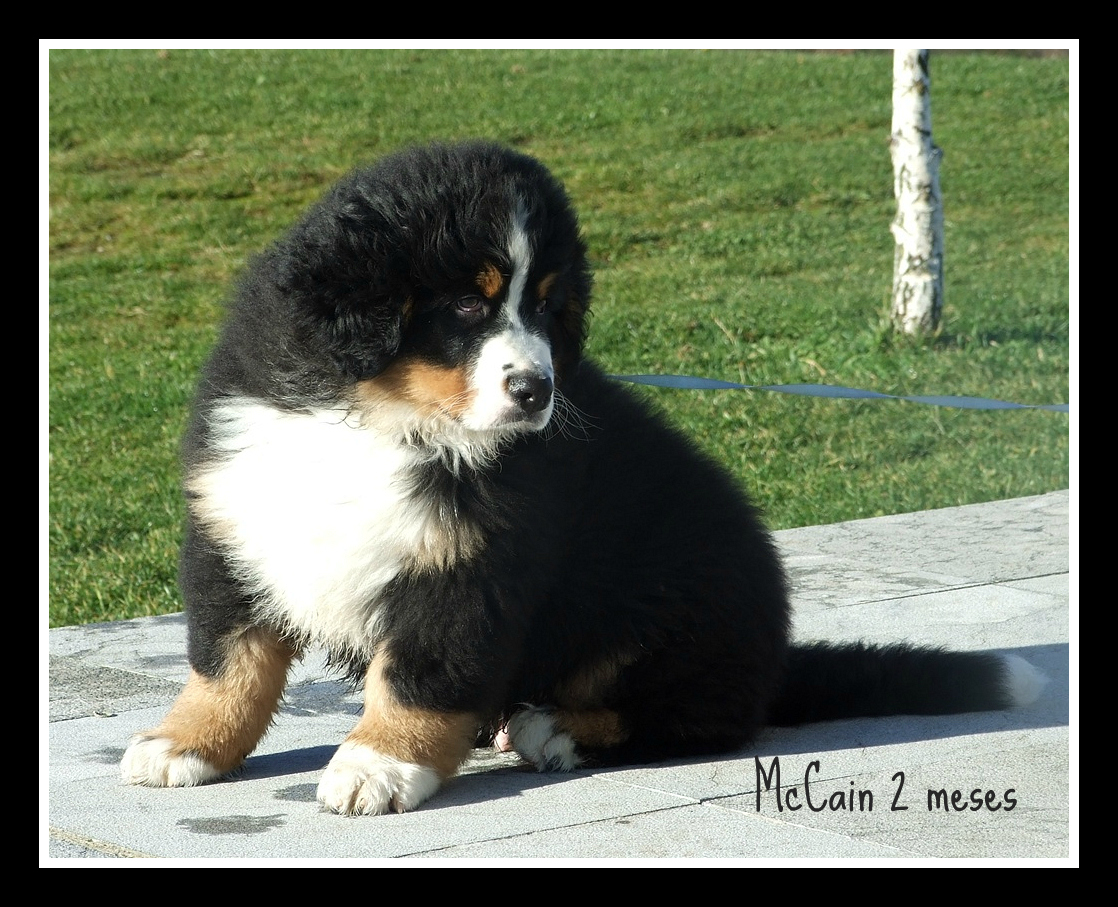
[(569, 421)]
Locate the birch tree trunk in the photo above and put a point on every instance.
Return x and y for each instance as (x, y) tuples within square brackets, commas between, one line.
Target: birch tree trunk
[(918, 226)]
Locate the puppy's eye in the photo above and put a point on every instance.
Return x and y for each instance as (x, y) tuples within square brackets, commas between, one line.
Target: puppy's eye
[(470, 305), (543, 306)]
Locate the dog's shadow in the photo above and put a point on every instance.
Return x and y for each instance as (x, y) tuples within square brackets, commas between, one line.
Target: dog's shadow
[(489, 776)]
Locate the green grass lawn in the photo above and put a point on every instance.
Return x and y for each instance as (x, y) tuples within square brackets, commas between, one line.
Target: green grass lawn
[(737, 205)]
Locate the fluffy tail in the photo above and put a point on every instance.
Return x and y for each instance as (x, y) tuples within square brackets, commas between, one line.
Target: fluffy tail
[(827, 682)]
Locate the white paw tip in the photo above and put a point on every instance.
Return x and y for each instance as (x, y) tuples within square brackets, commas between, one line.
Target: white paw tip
[(533, 734), (359, 781), (148, 761)]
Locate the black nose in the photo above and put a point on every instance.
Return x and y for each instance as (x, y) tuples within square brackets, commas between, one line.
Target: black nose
[(531, 392)]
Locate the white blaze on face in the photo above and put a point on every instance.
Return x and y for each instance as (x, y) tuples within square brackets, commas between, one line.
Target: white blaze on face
[(513, 350)]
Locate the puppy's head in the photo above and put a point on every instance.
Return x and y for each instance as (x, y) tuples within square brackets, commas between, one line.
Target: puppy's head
[(449, 279)]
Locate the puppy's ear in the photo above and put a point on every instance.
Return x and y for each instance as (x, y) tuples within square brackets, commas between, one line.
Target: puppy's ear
[(350, 288), (363, 339)]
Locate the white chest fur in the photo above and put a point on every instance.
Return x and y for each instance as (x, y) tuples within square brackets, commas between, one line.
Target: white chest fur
[(316, 516)]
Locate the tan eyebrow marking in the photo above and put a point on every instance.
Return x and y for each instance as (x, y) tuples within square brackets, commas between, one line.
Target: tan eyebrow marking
[(490, 280), (545, 285)]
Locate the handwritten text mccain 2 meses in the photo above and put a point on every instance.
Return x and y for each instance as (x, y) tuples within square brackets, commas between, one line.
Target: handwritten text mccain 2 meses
[(810, 794)]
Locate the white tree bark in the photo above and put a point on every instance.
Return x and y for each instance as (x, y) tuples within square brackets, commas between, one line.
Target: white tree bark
[(918, 226)]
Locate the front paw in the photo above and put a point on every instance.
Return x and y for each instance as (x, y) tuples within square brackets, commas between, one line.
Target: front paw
[(359, 781), (154, 762)]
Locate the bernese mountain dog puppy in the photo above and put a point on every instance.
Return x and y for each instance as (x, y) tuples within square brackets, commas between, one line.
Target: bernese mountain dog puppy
[(399, 451)]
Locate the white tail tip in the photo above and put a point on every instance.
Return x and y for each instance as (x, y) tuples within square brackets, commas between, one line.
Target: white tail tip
[(1023, 682)]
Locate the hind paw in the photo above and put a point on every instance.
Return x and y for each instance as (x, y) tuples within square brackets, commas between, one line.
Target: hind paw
[(534, 734)]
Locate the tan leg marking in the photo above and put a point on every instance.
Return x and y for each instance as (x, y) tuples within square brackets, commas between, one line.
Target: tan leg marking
[(598, 729), (579, 699), (397, 756), (438, 740), (591, 685), (551, 738), (221, 719)]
